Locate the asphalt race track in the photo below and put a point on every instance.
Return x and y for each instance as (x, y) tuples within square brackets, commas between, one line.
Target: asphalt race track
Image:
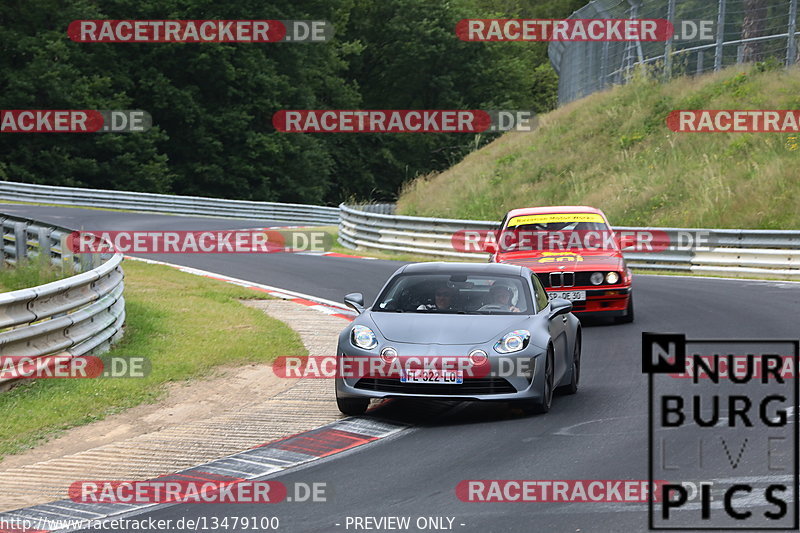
[(600, 433)]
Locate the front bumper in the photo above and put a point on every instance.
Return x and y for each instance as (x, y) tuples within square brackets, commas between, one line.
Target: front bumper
[(612, 301), (517, 376)]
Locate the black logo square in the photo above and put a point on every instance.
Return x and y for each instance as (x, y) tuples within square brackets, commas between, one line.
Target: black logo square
[(660, 346)]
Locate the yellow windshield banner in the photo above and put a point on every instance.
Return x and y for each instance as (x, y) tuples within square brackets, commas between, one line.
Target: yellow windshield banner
[(550, 218)]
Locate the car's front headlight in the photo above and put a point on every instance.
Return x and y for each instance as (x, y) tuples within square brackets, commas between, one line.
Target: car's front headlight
[(513, 342), (612, 278), (363, 337)]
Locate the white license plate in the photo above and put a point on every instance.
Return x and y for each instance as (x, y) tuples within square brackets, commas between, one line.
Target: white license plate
[(573, 296), (432, 375)]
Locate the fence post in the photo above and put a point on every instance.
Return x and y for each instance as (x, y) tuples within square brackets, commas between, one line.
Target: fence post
[(602, 13), (635, 15), (791, 45), (668, 46), (720, 35)]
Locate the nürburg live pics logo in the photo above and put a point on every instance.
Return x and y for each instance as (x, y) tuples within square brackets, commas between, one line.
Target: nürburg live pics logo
[(722, 432)]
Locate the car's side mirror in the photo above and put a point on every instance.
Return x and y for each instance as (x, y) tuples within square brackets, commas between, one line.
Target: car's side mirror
[(355, 301), (559, 306), (490, 248)]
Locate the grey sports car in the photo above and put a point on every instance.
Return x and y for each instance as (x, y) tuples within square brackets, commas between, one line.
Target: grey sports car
[(463, 331)]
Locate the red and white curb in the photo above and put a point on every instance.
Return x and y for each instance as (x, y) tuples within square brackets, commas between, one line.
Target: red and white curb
[(264, 460), (322, 305)]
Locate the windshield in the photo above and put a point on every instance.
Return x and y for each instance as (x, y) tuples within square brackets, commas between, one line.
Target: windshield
[(557, 233), (455, 294)]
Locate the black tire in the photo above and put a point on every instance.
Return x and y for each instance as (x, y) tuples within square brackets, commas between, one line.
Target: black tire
[(352, 406), (540, 407), (572, 386), (627, 318)]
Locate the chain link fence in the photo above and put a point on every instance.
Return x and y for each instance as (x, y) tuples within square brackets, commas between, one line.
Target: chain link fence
[(726, 32)]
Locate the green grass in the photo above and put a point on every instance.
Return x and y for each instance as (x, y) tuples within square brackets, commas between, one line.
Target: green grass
[(613, 150), (29, 273), (186, 325)]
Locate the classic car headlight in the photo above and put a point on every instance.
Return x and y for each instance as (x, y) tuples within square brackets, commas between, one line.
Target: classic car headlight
[(612, 278), (596, 278), (513, 342), (363, 337)]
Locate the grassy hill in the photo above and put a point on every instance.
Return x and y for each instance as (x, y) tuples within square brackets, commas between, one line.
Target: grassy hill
[(613, 150)]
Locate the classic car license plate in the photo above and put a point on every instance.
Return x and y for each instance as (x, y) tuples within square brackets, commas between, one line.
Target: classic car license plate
[(572, 296), (432, 375)]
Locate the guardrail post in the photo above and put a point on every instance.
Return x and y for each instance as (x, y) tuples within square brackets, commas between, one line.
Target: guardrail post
[(20, 241), (87, 262), (44, 243), (720, 35), (791, 45), (65, 255)]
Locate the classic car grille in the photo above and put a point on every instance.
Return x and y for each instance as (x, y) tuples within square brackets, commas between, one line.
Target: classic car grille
[(570, 279), (470, 387), (561, 279)]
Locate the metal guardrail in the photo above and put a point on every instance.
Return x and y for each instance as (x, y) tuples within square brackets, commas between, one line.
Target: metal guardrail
[(772, 253), (170, 204), (79, 315), (364, 227)]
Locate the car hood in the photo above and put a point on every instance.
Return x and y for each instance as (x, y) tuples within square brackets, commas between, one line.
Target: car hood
[(573, 261), (432, 328)]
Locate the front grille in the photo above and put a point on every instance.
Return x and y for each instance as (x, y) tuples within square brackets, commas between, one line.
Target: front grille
[(562, 279), (470, 387), (570, 279)]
